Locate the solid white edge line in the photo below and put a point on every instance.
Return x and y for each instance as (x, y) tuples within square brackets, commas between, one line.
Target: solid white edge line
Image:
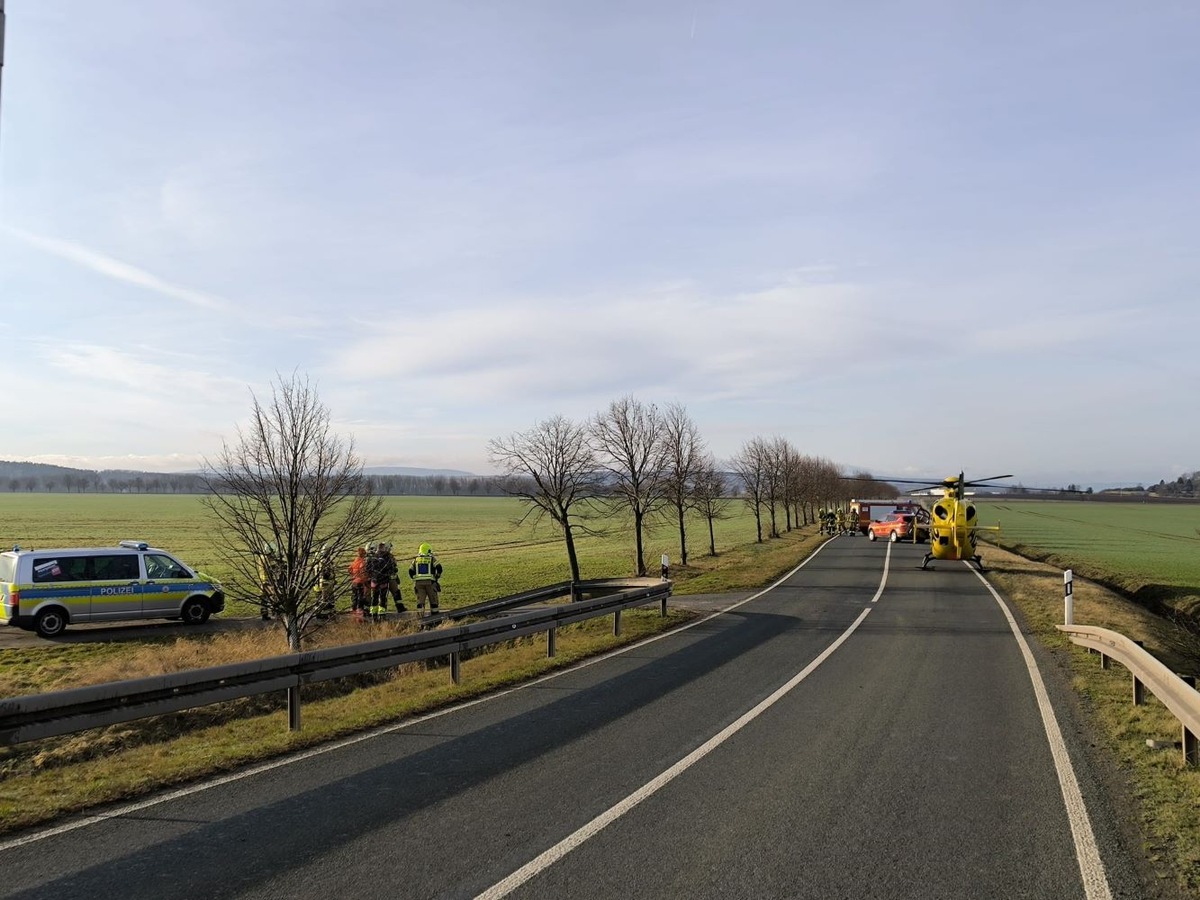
[(288, 760), (1091, 867), (547, 858)]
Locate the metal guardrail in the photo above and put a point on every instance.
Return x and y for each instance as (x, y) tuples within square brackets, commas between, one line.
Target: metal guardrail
[(65, 712), (582, 590), (1176, 694)]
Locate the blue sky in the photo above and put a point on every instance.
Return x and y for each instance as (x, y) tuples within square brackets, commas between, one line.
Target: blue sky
[(915, 237)]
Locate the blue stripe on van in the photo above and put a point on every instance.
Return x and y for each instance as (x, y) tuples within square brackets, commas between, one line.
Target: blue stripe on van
[(82, 590)]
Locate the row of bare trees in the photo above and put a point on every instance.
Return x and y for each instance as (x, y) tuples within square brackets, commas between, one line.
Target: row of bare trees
[(648, 462), (632, 457), (289, 493), (777, 479)]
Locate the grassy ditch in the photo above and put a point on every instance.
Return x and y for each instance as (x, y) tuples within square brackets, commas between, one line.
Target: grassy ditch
[(1147, 551), (1166, 793)]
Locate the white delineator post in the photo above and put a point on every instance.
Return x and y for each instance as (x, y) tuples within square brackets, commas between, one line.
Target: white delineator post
[(1068, 598)]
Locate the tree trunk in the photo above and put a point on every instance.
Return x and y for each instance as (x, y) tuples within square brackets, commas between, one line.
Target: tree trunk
[(758, 522), (638, 515), (682, 539), (572, 556), (291, 623), (712, 541)]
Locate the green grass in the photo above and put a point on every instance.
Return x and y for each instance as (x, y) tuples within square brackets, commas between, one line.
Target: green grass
[(485, 552), (1149, 551)]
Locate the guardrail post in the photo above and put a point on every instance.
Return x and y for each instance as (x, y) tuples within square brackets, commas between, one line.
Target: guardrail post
[(1189, 680), (551, 642), (1139, 689), (294, 708), (662, 607), (1191, 752), (1103, 660), (455, 668), (617, 623)]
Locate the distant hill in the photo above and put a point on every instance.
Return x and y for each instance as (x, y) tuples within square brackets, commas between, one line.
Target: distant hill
[(36, 470), (27, 477), (12, 469)]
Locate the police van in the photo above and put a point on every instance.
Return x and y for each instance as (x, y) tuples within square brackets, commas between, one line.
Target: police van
[(45, 590)]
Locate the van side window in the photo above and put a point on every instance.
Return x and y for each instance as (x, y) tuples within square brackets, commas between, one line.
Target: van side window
[(47, 570), (110, 568), (63, 568), (159, 566), (76, 568)]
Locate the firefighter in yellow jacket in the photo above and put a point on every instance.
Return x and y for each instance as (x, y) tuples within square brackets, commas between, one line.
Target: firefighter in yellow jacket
[(425, 572)]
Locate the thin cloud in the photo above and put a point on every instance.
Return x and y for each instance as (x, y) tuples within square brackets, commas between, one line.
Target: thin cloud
[(142, 371), (117, 270), (673, 338)]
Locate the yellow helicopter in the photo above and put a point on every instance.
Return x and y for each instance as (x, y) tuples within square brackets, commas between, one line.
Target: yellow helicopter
[(953, 520)]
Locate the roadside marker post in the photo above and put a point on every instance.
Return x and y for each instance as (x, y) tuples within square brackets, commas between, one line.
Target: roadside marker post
[(1068, 596)]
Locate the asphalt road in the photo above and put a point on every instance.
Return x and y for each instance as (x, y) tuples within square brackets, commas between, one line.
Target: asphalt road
[(838, 736)]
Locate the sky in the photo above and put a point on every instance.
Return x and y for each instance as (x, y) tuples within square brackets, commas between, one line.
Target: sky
[(914, 238)]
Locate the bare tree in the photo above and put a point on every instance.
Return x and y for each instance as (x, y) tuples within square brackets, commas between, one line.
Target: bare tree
[(711, 497), (290, 484), (776, 454), (790, 461), (684, 457), (553, 469), (751, 464), (628, 439)]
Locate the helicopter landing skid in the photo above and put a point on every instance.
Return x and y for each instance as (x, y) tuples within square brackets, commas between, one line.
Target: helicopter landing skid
[(978, 560)]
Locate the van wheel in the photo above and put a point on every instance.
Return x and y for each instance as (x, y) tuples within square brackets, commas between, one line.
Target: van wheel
[(194, 613), (50, 623), (895, 537), (871, 535)]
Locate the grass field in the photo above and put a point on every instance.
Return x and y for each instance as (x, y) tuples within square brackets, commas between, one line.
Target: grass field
[(1150, 551), (484, 552)]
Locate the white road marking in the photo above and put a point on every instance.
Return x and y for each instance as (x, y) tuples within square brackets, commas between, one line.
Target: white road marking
[(138, 806), (1091, 867), (887, 564), (547, 858)]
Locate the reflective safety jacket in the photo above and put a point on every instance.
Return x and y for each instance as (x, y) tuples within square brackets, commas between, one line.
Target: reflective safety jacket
[(425, 567)]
